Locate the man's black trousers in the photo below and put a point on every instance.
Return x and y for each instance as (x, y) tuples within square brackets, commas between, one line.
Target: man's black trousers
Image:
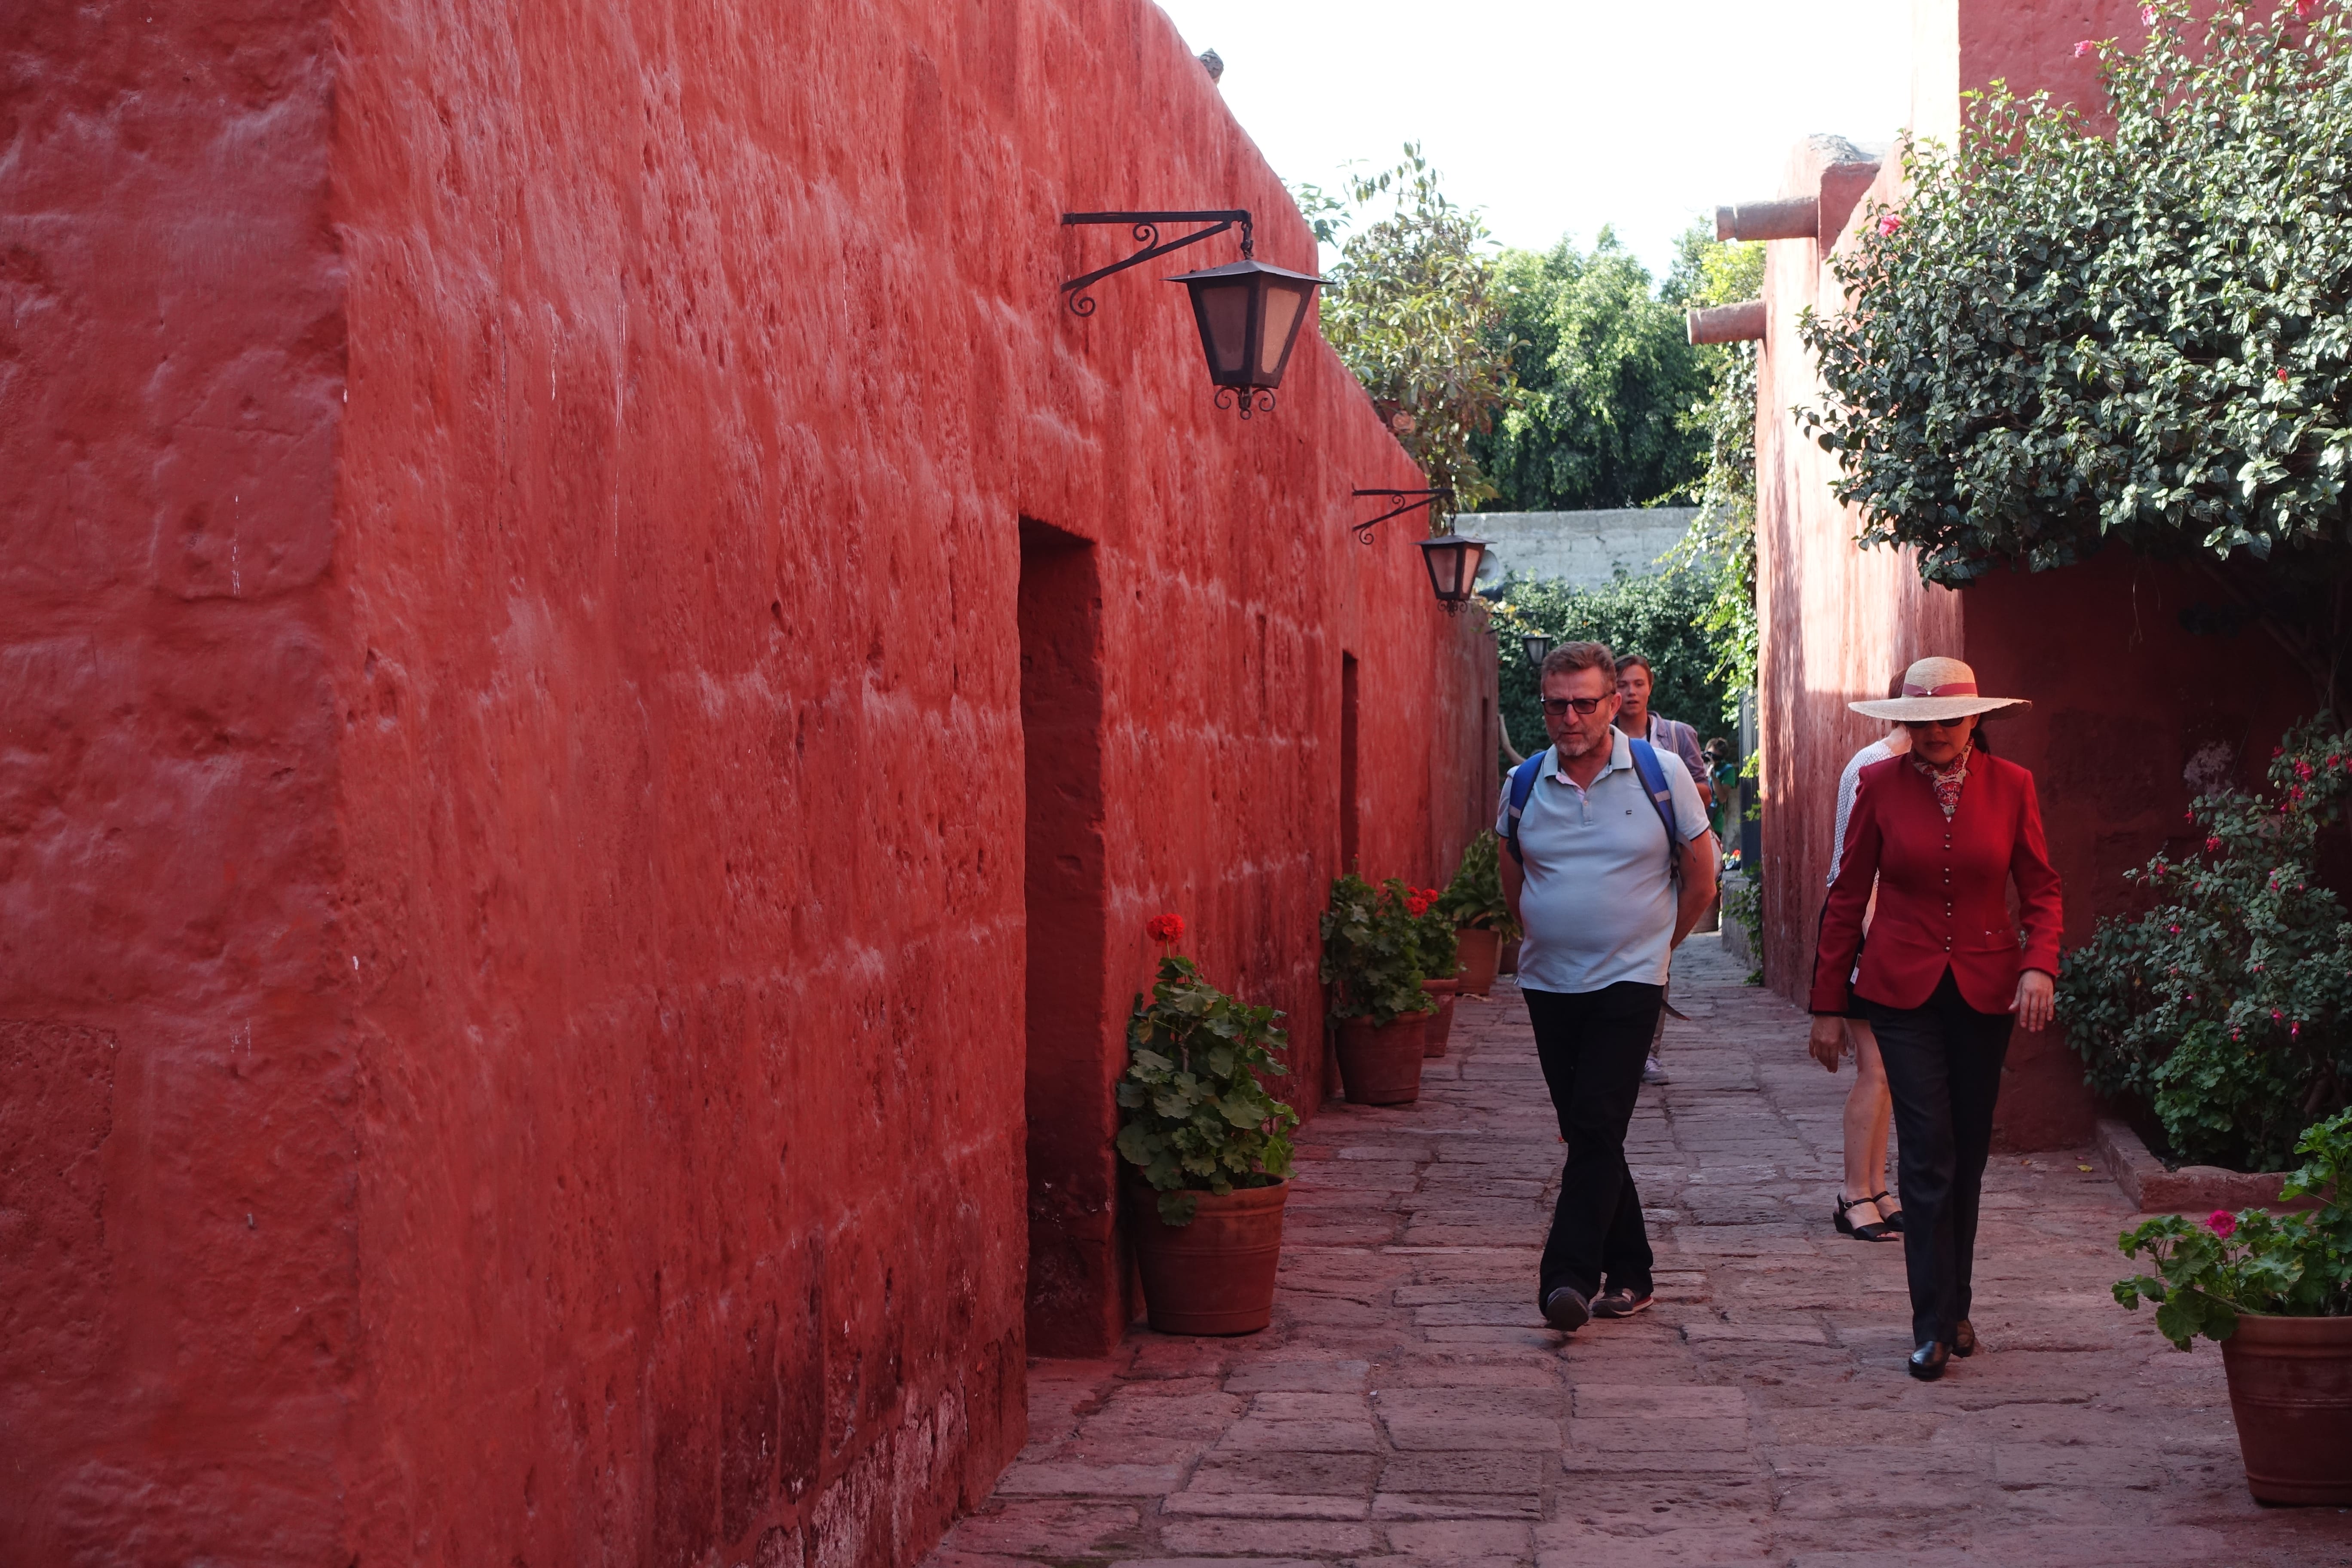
[(1591, 1045), (1943, 1071)]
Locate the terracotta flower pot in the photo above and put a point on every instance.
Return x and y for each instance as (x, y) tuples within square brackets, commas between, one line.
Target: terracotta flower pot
[(1440, 1028), (1214, 1276), (1509, 964), (1382, 1065), (1478, 950), (2291, 1391)]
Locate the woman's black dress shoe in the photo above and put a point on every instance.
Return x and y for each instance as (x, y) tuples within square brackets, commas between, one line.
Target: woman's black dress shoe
[(1927, 1361), (1964, 1339), (1876, 1231), (1893, 1217)]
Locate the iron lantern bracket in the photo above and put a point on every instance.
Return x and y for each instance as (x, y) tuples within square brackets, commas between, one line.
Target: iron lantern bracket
[(1437, 500), (1146, 228)]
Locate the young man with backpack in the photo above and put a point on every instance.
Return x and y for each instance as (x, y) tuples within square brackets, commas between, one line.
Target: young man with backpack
[(1609, 865)]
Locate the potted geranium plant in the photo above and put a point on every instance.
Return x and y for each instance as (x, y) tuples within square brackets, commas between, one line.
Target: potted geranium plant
[(1474, 902), (1440, 947), (1201, 1132), (1372, 960), (2275, 1290)]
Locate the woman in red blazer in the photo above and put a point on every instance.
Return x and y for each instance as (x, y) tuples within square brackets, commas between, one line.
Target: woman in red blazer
[(1942, 832)]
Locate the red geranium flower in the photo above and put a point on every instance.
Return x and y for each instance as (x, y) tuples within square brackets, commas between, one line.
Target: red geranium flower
[(2223, 1222), (1165, 928), (2212, 847)]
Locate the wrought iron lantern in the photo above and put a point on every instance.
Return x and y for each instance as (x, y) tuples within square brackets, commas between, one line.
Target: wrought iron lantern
[(1535, 645), (1248, 314), (1453, 561)]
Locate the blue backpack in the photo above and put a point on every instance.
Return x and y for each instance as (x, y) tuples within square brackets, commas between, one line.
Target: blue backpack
[(1646, 765)]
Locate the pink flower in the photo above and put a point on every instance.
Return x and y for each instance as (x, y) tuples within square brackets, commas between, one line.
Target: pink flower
[(2174, 930), (2148, 15), (2084, 47), (2303, 9), (1889, 224), (2281, 373), (2212, 847), (2222, 1223)]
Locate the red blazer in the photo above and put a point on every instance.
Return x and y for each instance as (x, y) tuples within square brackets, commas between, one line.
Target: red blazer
[(1942, 890)]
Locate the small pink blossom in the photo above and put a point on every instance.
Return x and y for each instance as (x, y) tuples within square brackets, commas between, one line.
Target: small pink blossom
[(1889, 224), (2084, 47), (2212, 847), (2281, 373), (2303, 9), (2222, 1223), (2174, 930), (2148, 15)]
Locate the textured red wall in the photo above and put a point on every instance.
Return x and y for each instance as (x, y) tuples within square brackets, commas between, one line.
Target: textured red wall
[(515, 921), (2123, 696)]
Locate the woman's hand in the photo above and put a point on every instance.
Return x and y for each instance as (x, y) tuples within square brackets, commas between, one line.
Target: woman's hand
[(1827, 1042), (2036, 1000)]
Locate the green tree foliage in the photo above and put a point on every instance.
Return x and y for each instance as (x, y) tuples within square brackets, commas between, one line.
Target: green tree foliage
[(1661, 616), (1413, 310), (1722, 539), (2067, 337), (2227, 1008), (1610, 381)]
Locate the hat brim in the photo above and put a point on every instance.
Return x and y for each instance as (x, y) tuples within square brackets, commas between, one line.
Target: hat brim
[(1907, 710)]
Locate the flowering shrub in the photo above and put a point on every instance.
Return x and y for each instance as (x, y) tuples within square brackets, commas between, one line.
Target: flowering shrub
[(1474, 897), (1194, 1115), (2076, 335), (1371, 951), (2228, 1006), (1439, 948), (2288, 1266)]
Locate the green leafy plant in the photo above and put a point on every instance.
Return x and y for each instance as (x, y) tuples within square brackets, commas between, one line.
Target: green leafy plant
[(2296, 1265), (1474, 897), (2227, 1008), (1195, 1117), (1743, 906), (2073, 335), (1371, 951), (1413, 311)]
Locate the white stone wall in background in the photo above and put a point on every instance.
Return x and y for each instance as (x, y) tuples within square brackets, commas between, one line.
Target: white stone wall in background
[(1587, 548)]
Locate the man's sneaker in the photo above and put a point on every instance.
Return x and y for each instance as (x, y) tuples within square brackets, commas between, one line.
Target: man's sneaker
[(1621, 1301), (1565, 1310), (1653, 1073)]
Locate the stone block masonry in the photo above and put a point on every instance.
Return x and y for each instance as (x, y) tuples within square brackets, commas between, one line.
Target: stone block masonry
[(530, 814)]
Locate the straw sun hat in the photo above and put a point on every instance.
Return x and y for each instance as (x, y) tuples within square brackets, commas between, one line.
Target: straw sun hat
[(1938, 688)]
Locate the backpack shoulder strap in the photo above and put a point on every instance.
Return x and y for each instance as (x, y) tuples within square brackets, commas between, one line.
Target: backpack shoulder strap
[(1661, 796), (1523, 785)]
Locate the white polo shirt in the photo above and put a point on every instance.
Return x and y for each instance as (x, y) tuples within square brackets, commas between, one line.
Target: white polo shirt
[(1597, 902)]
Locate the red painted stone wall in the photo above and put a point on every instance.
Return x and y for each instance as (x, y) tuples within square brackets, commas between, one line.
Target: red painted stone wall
[(2124, 696), (515, 938)]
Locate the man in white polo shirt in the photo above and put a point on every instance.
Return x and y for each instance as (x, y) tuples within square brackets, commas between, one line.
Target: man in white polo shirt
[(1605, 894)]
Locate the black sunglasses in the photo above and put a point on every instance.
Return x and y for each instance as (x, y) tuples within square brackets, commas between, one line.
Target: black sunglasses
[(1557, 707)]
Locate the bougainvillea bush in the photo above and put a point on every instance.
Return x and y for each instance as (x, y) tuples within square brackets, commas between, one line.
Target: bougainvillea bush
[(2075, 333), (2227, 1008)]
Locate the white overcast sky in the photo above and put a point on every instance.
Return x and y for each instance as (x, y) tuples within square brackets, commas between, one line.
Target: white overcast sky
[(1558, 116)]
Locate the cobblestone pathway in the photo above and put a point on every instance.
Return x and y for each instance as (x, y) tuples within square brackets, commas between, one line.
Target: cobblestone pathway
[(1408, 1407)]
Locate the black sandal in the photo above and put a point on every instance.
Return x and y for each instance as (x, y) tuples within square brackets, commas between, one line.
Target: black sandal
[(1893, 1217), (1880, 1231)]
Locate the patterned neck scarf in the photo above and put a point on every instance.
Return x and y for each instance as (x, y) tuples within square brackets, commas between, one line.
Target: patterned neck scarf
[(1948, 781)]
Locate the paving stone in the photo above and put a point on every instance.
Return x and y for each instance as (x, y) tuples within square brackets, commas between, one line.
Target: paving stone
[(1407, 1409)]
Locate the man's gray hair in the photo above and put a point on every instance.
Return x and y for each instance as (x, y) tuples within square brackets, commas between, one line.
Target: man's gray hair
[(1570, 657)]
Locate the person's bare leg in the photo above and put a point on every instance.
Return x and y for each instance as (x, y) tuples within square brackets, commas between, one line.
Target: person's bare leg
[(1868, 1109), (1871, 1072)]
